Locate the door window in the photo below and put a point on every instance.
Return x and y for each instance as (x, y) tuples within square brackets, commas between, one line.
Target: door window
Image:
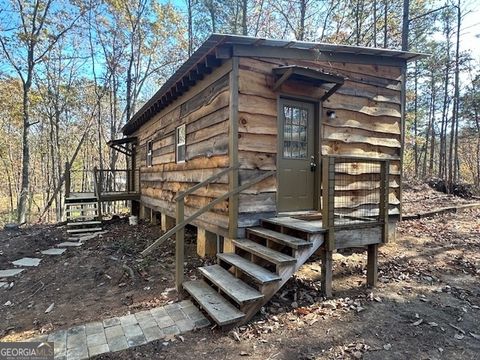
[(295, 125)]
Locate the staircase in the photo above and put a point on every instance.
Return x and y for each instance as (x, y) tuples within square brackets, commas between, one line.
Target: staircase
[(82, 215), (233, 291)]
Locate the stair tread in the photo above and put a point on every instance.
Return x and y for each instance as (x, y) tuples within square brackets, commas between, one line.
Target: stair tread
[(232, 286), (295, 224), (93, 203), (84, 223), (284, 239), (77, 231), (271, 255), (213, 303), (258, 273), (79, 217)]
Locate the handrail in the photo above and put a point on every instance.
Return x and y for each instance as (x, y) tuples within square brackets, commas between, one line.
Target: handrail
[(182, 222), (207, 207), (194, 188)]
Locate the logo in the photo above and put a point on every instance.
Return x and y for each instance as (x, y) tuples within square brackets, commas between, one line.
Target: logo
[(26, 351)]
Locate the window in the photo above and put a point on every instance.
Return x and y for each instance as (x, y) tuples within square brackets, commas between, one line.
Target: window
[(149, 152), (295, 125), (180, 139)]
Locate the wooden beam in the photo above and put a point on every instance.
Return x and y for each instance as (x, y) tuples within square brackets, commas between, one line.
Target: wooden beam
[(223, 52), (302, 54), (330, 92), (233, 178), (282, 79)]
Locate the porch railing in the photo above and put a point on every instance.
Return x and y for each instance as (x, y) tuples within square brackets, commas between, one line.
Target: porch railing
[(102, 181), (117, 180), (181, 221), (355, 193)]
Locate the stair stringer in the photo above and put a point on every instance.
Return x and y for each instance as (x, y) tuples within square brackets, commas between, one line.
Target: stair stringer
[(285, 272)]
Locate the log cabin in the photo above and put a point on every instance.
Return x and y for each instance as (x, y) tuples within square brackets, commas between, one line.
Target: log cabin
[(274, 150)]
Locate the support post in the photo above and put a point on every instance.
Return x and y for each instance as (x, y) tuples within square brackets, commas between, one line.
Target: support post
[(153, 217), (228, 246), (167, 222), (372, 265), (327, 273), (179, 246), (97, 189), (206, 243), (68, 180)]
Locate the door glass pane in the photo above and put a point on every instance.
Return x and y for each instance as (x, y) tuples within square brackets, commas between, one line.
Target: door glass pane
[(295, 127)]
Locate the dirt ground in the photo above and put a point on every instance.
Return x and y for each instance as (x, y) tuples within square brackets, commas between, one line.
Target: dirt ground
[(426, 306), (87, 283)]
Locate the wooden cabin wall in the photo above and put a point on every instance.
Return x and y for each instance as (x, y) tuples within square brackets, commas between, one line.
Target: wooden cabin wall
[(205, 110), (367, 122)]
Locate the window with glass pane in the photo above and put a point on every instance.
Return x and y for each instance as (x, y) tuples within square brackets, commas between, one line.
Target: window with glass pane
[(295, 127), (180, 141), (149, 153)]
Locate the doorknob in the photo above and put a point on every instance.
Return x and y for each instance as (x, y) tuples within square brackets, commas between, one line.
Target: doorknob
[(313, 165)]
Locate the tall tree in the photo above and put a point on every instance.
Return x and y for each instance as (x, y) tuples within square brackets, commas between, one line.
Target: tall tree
[(25, 40)]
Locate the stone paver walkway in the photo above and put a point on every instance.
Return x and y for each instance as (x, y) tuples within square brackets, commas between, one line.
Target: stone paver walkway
[(120, 333)]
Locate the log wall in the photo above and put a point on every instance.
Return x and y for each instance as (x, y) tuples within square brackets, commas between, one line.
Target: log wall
[(367, 123), (205, 110)]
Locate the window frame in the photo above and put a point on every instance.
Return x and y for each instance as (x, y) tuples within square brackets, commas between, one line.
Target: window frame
[(149, 159), (178, 144)]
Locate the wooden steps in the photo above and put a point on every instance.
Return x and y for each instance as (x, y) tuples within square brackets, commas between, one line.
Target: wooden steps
[(213, 303), (264, 252), (82, 215), (235, 288), (256, 272), (283, 239), (84, 230), (84, 223), (233, 291)]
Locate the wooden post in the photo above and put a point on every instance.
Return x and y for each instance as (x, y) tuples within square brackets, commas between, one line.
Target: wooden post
[(372, 265), (167, 222), (153, 217), (97, 193), (233, 150), (68, 180), (180, 246), (206, 243), (327, 273), (228, 246)]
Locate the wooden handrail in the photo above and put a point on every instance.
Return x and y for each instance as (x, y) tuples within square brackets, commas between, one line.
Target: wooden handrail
[(206, 208), (178, 229), (205, 182)]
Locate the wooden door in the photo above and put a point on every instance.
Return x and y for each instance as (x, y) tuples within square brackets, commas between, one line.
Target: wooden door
[(295, 161)]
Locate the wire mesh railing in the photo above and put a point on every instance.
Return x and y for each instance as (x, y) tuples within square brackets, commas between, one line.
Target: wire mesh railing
[(354, 192)]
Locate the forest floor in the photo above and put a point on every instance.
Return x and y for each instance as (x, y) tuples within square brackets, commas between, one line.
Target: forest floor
[(426, 306)]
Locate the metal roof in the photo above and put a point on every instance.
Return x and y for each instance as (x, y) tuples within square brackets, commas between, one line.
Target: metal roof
[(159, 100)]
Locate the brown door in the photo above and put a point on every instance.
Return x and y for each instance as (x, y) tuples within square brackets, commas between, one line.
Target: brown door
[(295, 174)]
